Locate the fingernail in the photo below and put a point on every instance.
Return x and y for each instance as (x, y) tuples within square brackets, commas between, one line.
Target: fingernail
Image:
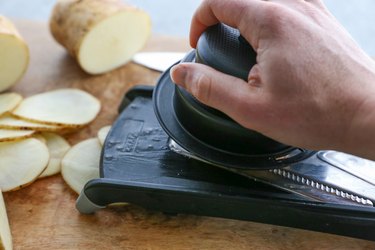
[(178, 75)]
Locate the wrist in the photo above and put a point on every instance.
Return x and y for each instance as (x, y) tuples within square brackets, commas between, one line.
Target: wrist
[(360, 136)]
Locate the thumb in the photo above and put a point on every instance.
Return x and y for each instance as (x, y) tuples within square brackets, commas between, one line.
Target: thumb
[(231, 95)]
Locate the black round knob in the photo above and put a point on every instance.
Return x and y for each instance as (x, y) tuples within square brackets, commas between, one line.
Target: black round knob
[(224, 49)]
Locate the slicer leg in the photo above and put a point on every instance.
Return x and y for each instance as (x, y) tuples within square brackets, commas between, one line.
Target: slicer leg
[(85, 206)]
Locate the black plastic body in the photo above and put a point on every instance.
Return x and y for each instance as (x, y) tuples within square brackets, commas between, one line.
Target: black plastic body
[(219, 47), (138, 167), (212, 137)]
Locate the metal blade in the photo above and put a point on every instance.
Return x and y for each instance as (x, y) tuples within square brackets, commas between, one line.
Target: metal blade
[(324, 177), (159, 61)]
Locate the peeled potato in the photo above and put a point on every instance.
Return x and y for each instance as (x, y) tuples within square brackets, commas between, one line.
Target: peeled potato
[(5, 236), (65, 107), (8, 102), (57, 147), (11, 122), (21, 163), (102, 134), (14, 57), (100, 34), (81, 164), (13, 135)]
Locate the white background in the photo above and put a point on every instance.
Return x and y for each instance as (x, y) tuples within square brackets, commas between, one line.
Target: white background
[(172, 17)]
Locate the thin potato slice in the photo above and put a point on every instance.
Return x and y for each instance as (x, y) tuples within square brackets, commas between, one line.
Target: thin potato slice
[(5, 236), (57, 147), (67, 107), (40, 137), (7, 135), (81, 164), (11, 122), (21, 163), (8, 102), (102, 134)]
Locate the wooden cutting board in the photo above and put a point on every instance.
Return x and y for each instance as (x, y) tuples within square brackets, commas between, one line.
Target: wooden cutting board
[(43, 215)]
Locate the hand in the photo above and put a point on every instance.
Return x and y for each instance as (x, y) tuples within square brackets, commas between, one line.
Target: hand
[(312, 86)]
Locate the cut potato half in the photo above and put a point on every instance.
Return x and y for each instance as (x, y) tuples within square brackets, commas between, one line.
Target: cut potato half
[(14, 54), (102, 134), (57, 147), (100, 35), (121, 36), (65, 107), (21, 163), (13, 135), (8, 102), (5, 235), (81, 164), (11, 122)]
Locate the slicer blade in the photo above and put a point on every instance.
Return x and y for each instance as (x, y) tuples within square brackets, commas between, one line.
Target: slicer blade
[(324, 177)]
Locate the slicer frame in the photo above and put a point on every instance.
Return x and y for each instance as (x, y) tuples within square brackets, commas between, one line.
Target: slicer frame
[(138, 167)]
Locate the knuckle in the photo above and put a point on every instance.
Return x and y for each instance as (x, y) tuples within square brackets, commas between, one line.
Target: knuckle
[(275, 17)]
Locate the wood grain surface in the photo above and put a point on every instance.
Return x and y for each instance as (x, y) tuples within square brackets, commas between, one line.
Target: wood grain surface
[(43, 215)]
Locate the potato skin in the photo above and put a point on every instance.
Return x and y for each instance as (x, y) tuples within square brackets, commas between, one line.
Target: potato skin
[(71, 20)]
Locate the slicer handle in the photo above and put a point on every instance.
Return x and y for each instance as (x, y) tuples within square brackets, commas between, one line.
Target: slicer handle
[(224, 49)]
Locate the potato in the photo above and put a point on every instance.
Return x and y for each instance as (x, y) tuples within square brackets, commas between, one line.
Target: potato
[(100, 34), (5, 236), (81, 164), (57, 147), (14, 135), (8, 101), (11, 122), (14, 58), (21, 163), (102, 134), (62, 107), (40, 138)]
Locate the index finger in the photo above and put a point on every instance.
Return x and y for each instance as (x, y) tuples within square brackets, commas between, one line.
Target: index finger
[(240, 14)]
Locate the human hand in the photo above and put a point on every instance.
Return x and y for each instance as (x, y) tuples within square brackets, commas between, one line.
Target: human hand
[(312, 86)]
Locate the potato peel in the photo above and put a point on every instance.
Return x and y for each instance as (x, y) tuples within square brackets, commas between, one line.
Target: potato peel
[(57, 147), (65, 107), (21, 163), (81, 164)]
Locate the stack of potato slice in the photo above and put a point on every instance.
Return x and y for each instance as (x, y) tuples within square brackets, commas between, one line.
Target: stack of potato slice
[(28, 148)]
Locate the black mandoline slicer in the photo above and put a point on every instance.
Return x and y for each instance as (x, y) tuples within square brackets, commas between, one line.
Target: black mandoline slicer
[(169, 152)]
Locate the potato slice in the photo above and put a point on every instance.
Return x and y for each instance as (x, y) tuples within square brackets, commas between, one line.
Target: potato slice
[(102, 134), (13, 135), (57, 147), (21, 163), (8, 102), (14, 58), (40, 137), (11, 122), (66, 107), (81, 164), (5, 236)]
